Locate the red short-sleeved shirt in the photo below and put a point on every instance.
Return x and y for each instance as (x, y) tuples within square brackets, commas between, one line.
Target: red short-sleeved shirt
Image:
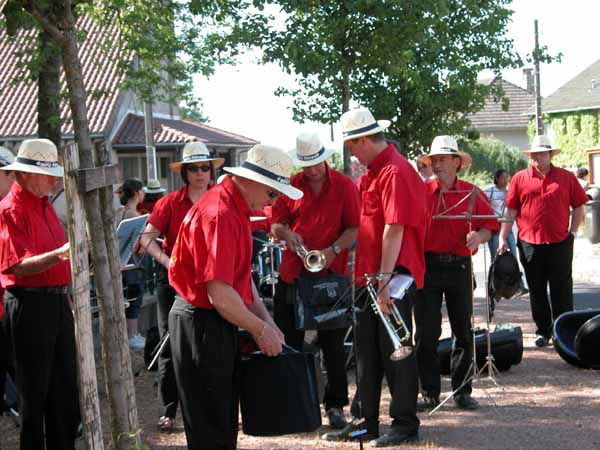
[(29, 227), (391, 192), (318, 219), (214, 243), (543, 204), (450, 235), (1, 295), (168, 214)]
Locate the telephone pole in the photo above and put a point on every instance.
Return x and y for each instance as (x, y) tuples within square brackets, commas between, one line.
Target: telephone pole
[(538, 92)]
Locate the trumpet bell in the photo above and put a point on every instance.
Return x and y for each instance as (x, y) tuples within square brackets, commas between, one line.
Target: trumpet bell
[(401, 353)]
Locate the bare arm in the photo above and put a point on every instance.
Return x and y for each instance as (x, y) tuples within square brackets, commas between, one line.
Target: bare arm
[(475, 238), (576, 218), (148, 241), (343, 242), (505, 228), (40, 263), (229, 304), (282, 232), (260, 311), (391, 244)]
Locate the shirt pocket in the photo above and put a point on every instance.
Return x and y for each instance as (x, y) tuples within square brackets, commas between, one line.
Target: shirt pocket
[(370, 203)]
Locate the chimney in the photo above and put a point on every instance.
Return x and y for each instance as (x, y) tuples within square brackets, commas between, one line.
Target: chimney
[(528, 75)]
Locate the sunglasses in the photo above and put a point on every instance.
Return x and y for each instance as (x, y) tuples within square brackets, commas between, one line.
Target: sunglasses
[(195, 169), (273, 194)]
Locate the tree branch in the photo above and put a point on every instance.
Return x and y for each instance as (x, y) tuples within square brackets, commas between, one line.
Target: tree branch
[(44, 22)]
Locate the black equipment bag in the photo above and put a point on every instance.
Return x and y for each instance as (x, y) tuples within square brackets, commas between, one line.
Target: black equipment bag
[(317, 295), (564, 332), (587, 342), (507, 348), (279, 394)]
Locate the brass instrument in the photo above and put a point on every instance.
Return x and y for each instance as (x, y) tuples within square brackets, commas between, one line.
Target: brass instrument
[(314, 260), (397, 332)]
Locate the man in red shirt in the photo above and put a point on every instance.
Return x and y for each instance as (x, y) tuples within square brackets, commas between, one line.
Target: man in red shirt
[(210, 268), (547, 202), (34, 268), (326, 218), (196, 168), (390, 242), (449, 245), (6, 180)]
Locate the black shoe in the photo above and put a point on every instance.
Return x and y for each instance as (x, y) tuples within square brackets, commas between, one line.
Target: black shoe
[(351, 432), (336, 418), (395, 437), (428, 403), (541, 341), (465, 401)]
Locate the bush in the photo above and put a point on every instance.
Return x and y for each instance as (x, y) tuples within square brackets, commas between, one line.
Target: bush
[(488, 156)]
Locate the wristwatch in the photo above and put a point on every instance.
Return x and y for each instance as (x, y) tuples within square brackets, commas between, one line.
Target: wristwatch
[(336, 249)]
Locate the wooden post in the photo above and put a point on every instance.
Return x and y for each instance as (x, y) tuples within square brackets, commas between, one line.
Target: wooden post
[(88, 386)]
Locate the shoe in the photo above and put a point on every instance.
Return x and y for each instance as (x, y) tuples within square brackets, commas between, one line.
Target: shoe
[(336, 418), (394, 437), (351, 432), (428, 403), (466, 402), (137, 342), (541, 341), (166, 424)]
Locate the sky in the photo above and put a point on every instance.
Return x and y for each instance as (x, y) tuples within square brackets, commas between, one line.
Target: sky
[(240, 98)]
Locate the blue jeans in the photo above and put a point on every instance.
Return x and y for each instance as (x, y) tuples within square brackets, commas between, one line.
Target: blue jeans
[(494, 243)]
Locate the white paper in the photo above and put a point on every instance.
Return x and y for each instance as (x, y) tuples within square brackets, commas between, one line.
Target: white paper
[(399, 284)]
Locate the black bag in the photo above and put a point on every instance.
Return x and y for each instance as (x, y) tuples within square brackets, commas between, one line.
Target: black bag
[(279, 395), (507, 348), (321, 294)]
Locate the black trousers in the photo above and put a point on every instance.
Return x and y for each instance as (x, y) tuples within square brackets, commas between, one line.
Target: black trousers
[(374, 347), (548, 264), (452, 281), (330, 341), (3, 363), (167, 385), (206, 361), (42, 338)]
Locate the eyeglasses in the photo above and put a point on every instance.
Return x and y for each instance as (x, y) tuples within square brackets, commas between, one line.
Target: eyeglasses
[(273, 194), (194, 169)]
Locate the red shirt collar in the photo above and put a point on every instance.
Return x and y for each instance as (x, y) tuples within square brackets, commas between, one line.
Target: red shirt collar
[(535, 173), (302, 179), (236, 196), (382, 159), (26, 196)]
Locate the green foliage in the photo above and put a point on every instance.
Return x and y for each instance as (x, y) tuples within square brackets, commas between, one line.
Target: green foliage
[(573, 132), (488, 156), (414, 62)]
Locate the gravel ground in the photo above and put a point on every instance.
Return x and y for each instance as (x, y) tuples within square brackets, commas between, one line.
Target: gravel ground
[(542, 403)]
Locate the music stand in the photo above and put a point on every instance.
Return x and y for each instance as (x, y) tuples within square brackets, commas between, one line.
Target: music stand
[(449, 212)]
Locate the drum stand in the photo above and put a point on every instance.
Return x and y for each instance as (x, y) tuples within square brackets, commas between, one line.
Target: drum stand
[(474, 374)]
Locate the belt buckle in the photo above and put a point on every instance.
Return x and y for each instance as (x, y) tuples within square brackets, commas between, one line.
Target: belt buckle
[(446, 257)]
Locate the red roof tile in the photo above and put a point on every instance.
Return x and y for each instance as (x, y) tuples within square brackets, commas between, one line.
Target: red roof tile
[(171, 131)]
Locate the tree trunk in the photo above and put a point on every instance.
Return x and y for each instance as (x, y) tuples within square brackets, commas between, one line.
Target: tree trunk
[(115, 350), (88, 386), (49, 122), (346, 107)]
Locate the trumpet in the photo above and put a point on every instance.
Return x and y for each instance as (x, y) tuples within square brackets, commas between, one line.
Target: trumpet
[(314, 260), (397, 332)]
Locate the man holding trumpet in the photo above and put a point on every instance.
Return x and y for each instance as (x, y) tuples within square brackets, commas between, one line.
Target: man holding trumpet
[(324, 219), (390, 241)]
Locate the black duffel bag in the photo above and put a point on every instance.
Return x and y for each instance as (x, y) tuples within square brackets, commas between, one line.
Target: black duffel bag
[(279, 394), (317, 295)]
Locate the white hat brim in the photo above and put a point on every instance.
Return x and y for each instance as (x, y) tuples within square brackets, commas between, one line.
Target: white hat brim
[(540, 150), (217, 162), (465, 158), (154, 191), (313, 162), (285, 189), (20, 167), (382, 125)]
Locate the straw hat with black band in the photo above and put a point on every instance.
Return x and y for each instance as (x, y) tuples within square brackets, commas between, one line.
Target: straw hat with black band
[(541, 143), (360, 122), (37, 156), (447, 145), (194, 152), (309, 151)]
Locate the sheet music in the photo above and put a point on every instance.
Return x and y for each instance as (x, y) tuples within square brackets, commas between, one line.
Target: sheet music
[(399, 284), (128, 232)]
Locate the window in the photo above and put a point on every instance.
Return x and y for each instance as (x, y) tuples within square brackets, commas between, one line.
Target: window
[(129, 167), (163, 167)]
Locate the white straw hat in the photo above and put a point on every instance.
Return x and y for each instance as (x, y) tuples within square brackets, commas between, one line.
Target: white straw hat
[(6, 156), (446, 145), (360, 122), (270, 166), (309, 151), (153, 187), (37, 156), (195, 152), (541, 143)]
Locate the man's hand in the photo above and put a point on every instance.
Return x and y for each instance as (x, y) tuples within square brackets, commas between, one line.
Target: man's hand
[(384, 300), (329, 256), (502, 245), (473, 240), (269, 340), (293, 240), (63, 252)]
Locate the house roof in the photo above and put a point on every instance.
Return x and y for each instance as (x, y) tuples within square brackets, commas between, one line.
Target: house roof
[(577, 94), (493, 118), (171, 131), (18, 94)]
